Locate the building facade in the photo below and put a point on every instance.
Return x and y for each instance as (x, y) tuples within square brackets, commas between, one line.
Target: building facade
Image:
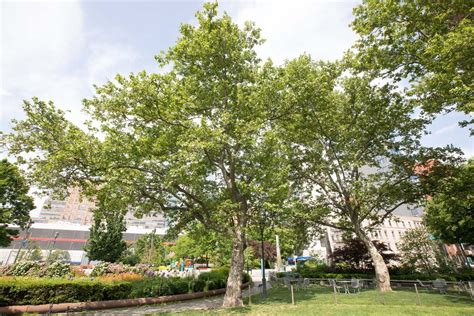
[(77, 210), (389, 232), (61, 236)]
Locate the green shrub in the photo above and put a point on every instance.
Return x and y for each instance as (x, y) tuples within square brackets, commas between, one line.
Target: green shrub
[(196, 285), (58, 270), (315, 264), (24, 268), (315, 273), (21, 291), (100, 269), (154, 287)]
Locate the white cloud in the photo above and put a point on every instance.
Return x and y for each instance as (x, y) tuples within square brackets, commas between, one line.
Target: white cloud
[(319, 28), (106, 60), (40, 40), (48, 52)]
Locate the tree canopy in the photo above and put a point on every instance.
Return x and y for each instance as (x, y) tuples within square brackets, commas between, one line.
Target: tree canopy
[(105, 240), (427, 43), (15, 204), (420, 253), (449, 212), (354, 253), (354, 148), (195, 142), (150, 249), (220, 138)]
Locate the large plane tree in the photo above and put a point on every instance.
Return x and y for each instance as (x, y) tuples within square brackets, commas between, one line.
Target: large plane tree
[(354, 147), (194, 141)]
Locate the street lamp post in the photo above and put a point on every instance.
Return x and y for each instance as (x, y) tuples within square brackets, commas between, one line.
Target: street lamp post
[(264, 280), (23, 242), (56, 234)]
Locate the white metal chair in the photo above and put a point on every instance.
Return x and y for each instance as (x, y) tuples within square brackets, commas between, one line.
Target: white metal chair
[(356, 285), (334, 285), (440, 285)]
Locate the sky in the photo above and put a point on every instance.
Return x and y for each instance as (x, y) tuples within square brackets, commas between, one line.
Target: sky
[(57, 50)]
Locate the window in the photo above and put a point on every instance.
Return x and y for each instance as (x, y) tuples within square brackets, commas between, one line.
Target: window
[(393, 234)]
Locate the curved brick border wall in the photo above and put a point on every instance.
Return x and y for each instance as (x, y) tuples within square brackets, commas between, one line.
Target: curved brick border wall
[(70, 307)]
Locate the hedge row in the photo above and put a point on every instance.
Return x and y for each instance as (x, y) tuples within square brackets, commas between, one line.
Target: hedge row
[(23, 291)]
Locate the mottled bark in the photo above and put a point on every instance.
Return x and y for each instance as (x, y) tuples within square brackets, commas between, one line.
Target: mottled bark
[(233, 294), (381, 271)]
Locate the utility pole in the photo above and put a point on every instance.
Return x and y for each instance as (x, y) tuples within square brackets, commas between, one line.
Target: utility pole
[(278, 263)]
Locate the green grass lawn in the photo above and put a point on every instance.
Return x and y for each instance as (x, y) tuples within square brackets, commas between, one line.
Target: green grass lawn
[(321, 301)]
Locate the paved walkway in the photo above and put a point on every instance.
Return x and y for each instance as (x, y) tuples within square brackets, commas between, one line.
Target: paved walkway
[(197, 304)]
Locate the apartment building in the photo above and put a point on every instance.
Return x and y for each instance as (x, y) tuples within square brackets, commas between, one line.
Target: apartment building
[(77, 210)]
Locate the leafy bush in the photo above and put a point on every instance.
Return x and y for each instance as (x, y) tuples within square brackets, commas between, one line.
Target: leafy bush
[(119, 268), (23, 268), (153, 287), (288, 274), (20, 291), (40, 269), (315, 264), (398, 274), (58, 270), (214, 279)]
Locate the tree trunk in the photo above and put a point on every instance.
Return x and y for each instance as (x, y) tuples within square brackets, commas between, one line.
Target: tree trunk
[(233, 294), (381, 271)]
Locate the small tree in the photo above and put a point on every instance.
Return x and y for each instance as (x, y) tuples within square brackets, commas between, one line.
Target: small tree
[(199, 242), (34, 253), (150, 249), (105, 241), (15, 204), (269, 250), (354, 253), (419, 252), (449, 212), (59, 255), (186, 247), (251, 260)]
